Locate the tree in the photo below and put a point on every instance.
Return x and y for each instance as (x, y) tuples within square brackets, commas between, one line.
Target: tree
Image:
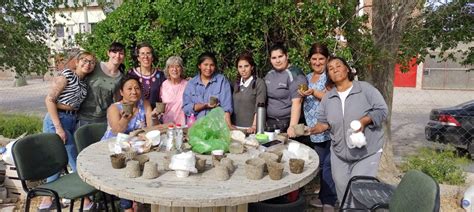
[(23, 29)]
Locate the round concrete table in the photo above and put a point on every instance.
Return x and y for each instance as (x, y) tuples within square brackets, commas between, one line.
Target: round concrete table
[(198, 192)]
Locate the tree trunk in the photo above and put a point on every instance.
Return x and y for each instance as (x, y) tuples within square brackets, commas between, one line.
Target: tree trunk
[(389, 20)]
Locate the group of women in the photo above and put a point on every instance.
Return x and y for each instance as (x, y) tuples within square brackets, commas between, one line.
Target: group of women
[(332, 101)]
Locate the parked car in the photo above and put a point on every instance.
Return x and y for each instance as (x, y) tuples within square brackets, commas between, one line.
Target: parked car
[(453, 125)]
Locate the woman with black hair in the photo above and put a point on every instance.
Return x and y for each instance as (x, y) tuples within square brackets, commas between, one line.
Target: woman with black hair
[(249, 90), (349, 102)]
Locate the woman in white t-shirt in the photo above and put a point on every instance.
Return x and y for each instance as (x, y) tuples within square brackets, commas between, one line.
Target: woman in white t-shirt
[(350, 101)]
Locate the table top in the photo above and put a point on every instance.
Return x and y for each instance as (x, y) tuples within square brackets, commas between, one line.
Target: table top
[(197, 190)]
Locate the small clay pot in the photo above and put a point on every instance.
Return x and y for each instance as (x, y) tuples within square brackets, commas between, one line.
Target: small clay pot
[(166, 163), (150, 171), (299, 129), (221, 172), (142, 159), (213, 100), (283, 137), (296, 165), (118, 161), (275, 170), (303, 87), (254, 168), (133, 169), (160, 107), (216, 159), (236, 148), (279, 154), (129, 155), (228, 163), (268, 157), (200, 164), (127, 108)]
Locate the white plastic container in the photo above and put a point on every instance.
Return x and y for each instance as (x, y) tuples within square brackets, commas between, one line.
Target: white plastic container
[(467, 201)]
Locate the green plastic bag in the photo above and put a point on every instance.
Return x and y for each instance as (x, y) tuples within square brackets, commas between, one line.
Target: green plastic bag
[(210, 133)]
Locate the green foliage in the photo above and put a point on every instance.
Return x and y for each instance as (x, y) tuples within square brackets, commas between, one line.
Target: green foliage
[(188, 28), (23, 33), (444, 166), (12, 126), (440, 27)]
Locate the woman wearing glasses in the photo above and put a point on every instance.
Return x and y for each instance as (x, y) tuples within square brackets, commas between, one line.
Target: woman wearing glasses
[(150, 78), (67, 92)]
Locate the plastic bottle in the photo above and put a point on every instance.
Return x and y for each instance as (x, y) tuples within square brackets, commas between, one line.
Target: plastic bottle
[(261, 118), (170, 138), (179, 137), (191, 120)]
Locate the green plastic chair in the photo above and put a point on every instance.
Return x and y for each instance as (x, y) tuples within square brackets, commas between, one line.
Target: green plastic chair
[(89, 134), (416, 192), (40, 156)]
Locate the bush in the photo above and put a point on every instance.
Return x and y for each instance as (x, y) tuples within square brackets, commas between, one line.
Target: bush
[(188, 28), (443, 165), (12, 126)]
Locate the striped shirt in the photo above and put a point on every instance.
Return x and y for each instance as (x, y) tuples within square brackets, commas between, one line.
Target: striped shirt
[(75, 91)]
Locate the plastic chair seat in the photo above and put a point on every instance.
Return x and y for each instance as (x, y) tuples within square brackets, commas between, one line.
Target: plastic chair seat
[(372, 193), (69, 186)]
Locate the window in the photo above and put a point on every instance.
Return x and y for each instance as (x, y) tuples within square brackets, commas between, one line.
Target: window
[(59, 30)]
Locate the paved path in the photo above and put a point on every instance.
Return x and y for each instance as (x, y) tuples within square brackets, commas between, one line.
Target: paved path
[(411, 109)]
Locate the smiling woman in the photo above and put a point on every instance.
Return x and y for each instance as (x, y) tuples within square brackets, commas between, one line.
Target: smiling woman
[(206, 86), (149, 77)]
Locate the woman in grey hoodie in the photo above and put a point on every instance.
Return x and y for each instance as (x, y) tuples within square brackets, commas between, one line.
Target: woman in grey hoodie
[(351, 101)]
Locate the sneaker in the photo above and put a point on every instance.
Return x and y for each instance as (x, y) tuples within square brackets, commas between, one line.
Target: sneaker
[(328, 208), (316, 203)]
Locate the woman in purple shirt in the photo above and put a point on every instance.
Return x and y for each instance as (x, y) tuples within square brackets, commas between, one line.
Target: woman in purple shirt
[(208, 83)]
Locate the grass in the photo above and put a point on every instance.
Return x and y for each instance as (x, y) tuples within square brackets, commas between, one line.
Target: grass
[(13, 125)]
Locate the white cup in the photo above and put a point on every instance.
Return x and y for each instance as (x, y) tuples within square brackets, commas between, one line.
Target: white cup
[(271, 135), (154, 136), (182, 173), (218, 152), (122, 137)]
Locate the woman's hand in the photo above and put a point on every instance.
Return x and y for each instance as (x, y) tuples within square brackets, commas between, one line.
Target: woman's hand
[(252, 129), (306, 93), (291, 132), (62, 134)]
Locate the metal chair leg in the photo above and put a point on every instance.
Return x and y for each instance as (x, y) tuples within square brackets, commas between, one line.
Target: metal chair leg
[(81, 207), (105, 201), (71, 206)]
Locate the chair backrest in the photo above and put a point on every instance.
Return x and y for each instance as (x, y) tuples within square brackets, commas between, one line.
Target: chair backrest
[(89, 134), (39, 156), (416, 192)]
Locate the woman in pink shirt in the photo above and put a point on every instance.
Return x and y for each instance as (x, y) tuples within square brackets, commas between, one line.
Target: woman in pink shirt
[(172, 91)]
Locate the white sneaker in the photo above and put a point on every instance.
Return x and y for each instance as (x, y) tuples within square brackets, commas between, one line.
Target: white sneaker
[(66, 201)]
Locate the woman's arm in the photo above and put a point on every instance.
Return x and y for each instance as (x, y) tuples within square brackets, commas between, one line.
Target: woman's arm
[(57, 87), (148, 113), (295, 115), (318, 128), (118, 120)]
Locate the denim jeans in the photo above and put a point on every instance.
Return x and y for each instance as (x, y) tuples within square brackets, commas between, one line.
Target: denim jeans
[(327, 194), (68, 122)]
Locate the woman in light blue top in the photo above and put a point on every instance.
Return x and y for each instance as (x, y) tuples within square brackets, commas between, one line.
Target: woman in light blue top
[(318, 57), (208, 83), (121, 122)]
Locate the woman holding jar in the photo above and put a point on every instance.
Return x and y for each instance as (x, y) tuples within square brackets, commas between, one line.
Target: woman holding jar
[(68, 91), (150, 78), (351, 101), (172, 91), (249, 90), (318, 57), (207, 90), (283, 100), (130, 113)]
